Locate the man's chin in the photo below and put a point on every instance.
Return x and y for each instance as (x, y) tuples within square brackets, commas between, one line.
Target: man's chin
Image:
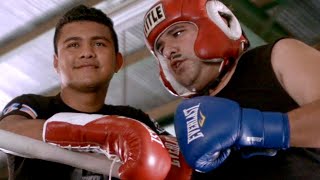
[(85, 86), (186, 83)]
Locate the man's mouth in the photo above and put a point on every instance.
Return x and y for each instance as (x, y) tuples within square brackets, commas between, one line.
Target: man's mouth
[(176, 64), (86, 65)]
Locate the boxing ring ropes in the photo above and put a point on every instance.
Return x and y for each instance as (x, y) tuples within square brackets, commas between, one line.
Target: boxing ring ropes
[(31, 148)]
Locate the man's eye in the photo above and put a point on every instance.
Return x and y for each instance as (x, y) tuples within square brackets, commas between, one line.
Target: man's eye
[(73, 45), (176, 34), (100, 44), (160, 49)]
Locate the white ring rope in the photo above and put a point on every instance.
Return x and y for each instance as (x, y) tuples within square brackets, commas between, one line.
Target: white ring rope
[(36, 149)]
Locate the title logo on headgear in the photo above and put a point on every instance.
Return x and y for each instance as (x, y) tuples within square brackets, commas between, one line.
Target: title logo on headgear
[(153, 18)]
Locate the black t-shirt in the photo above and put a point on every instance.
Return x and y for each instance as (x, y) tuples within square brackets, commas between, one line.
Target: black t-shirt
[(254, 85), (42, 107)]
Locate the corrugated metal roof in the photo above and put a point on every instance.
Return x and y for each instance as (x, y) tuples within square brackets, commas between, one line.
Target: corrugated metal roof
[(301, 18)]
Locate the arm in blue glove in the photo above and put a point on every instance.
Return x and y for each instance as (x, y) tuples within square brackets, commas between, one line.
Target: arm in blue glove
[(207, 127)]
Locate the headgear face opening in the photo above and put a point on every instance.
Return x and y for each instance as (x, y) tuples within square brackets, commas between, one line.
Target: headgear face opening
[(217, 40)]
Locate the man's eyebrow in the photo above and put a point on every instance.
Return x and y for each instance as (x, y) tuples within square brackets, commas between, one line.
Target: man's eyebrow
[(170, 31), (101, 37), (71, 39), (75, 38)]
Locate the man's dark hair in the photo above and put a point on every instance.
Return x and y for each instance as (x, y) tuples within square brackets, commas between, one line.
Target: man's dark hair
[(83, 13)]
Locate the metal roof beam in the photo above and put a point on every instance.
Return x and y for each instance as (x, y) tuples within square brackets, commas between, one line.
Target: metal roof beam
[(39, 26)]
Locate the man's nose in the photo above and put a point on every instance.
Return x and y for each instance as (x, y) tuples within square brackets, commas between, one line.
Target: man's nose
[(87, 52), (170, 51)]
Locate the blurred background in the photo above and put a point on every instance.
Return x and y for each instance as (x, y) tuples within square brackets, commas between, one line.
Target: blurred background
[(26, 47)]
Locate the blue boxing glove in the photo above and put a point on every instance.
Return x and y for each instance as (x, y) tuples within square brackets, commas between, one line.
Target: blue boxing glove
[(208, 127)]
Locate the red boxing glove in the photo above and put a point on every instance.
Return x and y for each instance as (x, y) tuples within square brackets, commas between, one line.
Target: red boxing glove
[(140, 149), (180, 170)]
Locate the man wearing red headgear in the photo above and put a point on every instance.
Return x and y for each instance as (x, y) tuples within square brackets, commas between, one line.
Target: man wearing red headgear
[(248, 113)]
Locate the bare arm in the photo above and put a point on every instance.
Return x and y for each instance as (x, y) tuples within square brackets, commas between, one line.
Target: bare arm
[(21, 125), (297, 67)]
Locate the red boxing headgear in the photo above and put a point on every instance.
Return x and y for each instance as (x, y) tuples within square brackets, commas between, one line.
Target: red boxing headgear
[(216, 41)]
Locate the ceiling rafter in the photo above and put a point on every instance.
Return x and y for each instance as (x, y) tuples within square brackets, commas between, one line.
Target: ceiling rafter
[(42, 25)]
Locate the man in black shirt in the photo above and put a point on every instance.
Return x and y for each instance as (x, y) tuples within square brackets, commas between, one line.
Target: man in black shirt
[(86, 58), (204, 56)]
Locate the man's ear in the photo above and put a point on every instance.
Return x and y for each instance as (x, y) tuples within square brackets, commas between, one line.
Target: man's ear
[(55, 63), (119, 61)]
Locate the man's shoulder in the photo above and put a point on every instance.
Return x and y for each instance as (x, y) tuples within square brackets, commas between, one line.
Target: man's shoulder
[(256, 54), (33, 96), (28, 105), (123, 108)]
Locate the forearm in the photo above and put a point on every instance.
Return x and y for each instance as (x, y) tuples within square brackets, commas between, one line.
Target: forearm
[(305, 125), (20, 125)]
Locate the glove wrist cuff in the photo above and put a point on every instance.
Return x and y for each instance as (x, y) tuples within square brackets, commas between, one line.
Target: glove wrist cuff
[(265, 129)]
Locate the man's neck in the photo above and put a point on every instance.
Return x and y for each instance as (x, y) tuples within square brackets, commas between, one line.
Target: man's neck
[(224, 81), (83, 101)]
